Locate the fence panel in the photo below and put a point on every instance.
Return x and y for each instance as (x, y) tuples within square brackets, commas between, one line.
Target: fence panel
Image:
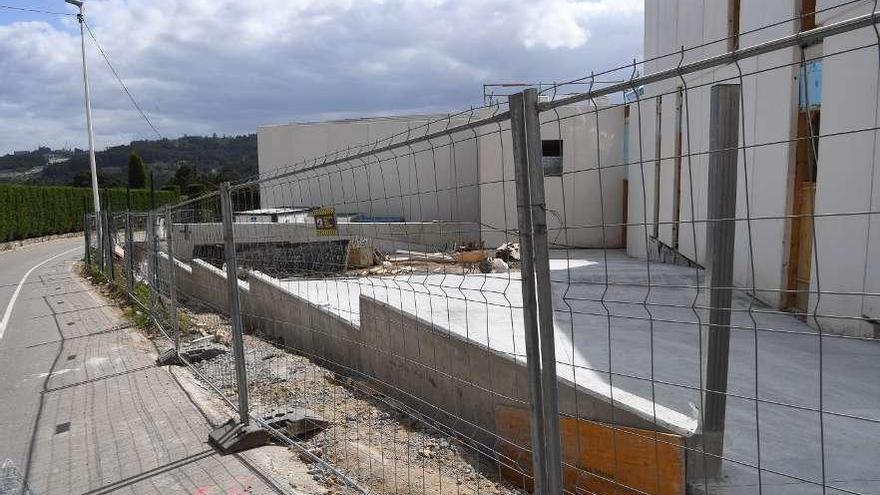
[(403, 330)]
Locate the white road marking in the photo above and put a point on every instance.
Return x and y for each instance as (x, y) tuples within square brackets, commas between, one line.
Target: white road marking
[(8, 313), (54, 373)]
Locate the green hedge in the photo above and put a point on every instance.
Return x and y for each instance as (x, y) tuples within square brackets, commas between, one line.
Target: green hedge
[(34, 211)]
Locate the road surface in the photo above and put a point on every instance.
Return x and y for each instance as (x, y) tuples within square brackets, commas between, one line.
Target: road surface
[(83, 408)]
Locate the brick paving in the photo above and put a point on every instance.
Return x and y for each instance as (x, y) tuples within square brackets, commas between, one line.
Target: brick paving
[(107, 419)]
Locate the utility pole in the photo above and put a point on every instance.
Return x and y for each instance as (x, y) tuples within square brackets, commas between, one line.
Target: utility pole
[(79, 5)]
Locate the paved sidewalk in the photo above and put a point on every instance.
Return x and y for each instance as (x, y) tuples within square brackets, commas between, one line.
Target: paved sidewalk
[(90, 412)]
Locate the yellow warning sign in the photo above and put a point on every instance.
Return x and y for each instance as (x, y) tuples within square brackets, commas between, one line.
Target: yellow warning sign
[(325, 221)]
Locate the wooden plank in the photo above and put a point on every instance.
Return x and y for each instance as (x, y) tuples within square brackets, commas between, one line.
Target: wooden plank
[(808, 123), (805, 244), (598, 459)]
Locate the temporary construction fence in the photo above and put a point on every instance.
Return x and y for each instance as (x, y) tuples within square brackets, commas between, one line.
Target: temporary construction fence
[(507, 288)]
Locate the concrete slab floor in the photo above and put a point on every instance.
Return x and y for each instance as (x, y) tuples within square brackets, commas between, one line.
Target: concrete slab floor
[(646, 340)]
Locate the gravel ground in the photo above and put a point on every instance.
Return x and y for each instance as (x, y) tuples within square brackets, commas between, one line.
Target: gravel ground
[(372, 438)]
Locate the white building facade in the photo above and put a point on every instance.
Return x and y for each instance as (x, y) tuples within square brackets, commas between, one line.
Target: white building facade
[(809, 144), (463, 177)]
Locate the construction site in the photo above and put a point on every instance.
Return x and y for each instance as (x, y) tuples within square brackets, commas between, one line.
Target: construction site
[(663, 283)]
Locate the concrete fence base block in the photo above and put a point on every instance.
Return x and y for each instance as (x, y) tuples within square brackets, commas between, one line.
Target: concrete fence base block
[(192, 355), (169, 358), (232, 437)]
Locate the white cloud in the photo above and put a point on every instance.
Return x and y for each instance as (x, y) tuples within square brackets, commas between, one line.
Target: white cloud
[(221, 66), (566, 23)]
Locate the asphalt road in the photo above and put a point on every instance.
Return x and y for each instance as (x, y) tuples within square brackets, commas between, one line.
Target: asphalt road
[(83, 408)]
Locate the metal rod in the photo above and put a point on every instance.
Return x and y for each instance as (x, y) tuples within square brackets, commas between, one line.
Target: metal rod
[(108, 228), (798, 39), (499, 117), (546, 331), (103, 240), (129, 253), (151, 255), (99, 241), (527, 273), (658, 161), (172, 278), (720, 239), (88, 240), (105, 229), (676, 169), (234, 303)]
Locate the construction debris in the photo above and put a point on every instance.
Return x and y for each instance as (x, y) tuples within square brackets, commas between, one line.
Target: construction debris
[(402, 255), (192, 355), (362, 254), (509, 252), (493, 265), (297, 422)]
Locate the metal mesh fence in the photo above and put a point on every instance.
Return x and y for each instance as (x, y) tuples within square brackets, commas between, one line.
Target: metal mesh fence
[(660, 285), (376, 273)]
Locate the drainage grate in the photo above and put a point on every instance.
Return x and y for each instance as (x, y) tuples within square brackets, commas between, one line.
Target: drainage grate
[(62, 427)]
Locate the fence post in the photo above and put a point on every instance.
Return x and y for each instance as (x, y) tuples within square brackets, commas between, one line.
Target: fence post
[(234, 303), (88, 240), (102, 241), (541, 254), (99, 242), (720, 237), (108, 226), (129, 253), (129, 242), (172, 279), (151, 255), (537, 305), (527, 274)]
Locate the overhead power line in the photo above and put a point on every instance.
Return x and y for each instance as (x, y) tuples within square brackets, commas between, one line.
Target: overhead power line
[(38, 11), (121, 83)]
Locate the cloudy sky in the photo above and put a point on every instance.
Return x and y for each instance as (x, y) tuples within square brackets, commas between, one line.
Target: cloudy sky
[(205, 66)]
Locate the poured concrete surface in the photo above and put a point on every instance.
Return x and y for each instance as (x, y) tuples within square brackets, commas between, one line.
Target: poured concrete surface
[(648, 336)]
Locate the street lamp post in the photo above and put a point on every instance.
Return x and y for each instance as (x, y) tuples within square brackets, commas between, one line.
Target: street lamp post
[(92, 165)]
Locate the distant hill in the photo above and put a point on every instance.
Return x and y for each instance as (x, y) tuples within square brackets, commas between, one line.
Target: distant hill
[(206, 160)]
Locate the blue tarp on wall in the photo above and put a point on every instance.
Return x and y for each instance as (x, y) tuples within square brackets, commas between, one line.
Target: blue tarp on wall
[(812, 74)]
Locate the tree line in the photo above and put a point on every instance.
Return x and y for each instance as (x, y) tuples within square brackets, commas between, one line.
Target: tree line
[(34, 211)]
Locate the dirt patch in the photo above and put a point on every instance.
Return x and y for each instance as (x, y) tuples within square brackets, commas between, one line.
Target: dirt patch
[(376, 441)]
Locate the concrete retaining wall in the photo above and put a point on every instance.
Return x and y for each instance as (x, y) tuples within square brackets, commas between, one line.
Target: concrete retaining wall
[(206, 284), (302, 325), (460, 382), (182, 274), (387, 237)]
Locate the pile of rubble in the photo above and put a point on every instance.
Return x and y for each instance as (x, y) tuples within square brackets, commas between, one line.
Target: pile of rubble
[(462, 260), (375, 440)]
